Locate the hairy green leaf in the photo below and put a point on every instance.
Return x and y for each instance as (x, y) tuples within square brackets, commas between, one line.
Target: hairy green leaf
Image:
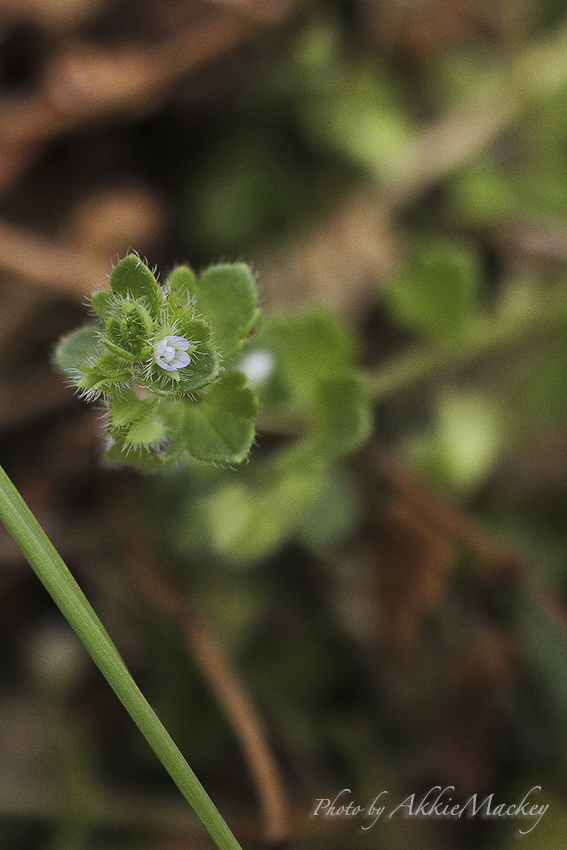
[(131, 278), (219, 426), (227, 297), (81, 347)]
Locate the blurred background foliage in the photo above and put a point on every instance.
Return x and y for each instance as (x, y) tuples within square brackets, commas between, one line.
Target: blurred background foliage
[(377, 600)]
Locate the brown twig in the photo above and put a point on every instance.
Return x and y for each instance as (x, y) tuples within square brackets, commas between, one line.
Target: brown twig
[(160, 592)]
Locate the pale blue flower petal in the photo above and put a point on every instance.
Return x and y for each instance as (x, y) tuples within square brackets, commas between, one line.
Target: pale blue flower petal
[(170, 353), (178, 342)]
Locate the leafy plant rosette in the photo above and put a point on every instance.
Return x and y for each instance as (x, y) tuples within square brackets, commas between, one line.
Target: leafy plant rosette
[(313, 399), (162, 359)]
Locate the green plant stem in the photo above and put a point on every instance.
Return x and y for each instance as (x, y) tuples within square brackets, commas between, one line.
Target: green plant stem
[(485, 335), (60, 584)]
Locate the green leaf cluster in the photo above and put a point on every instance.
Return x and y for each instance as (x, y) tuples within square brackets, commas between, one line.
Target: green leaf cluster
[(161, 410), (304, 370)]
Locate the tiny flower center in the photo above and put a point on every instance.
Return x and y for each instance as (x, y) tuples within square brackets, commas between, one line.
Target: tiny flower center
[(170, 353)]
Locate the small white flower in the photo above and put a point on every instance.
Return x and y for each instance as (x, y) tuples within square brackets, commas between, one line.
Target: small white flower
[(257, 366), (170, 353)]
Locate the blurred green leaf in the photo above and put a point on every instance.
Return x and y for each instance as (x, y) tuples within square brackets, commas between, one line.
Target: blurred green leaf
[(363, 116), (305, 349), (254, 186), (483, 193), (462, 447), (342, 419), (540, 391), (127, 408), (147, 429), (436, 293), (247, 522)]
